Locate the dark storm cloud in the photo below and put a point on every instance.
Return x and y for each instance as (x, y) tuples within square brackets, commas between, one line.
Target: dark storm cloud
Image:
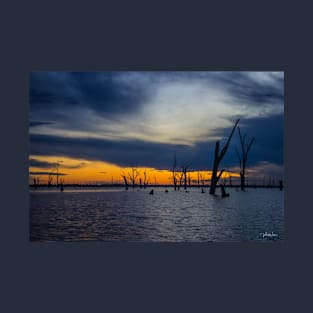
[(38, 123), (76, 166), (62, 97), (269, 134), (268, 146), (123, 153), (105, 92), (45, 164), (41, 164), (53, 165), (252, 88), (100, 91)]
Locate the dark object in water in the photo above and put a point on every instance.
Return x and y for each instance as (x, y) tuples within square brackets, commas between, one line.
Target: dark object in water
[(202, 191), (166, 190), (151, 192), (61, 188), (224, 193)]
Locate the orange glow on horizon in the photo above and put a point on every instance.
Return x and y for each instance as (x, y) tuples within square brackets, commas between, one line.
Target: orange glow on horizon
[(80, 171)]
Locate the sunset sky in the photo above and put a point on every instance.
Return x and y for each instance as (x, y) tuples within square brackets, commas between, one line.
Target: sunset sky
[(99, 124)]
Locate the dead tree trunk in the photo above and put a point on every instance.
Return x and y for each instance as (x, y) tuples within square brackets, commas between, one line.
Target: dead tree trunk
[(184, 171), (133, 176), (218, 156), (62, 184), (125, 182), (145, 180), (180, 180), (202, 178), (185, 178), (174, 173), (36, 181), (50, 178), (245, 148)]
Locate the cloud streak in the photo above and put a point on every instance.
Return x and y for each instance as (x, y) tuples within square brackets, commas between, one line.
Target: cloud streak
[(52, 165), (47, 173)]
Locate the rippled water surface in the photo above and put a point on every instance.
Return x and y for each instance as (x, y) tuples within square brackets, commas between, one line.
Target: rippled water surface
[(134, 215)]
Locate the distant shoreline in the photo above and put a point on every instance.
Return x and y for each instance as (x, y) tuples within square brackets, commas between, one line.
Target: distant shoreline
[(147, 187)]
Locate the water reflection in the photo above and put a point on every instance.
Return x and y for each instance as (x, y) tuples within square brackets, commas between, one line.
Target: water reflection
[(118, 215)]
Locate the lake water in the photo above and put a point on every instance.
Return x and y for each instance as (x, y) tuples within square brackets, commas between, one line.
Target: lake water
[(109, 214)]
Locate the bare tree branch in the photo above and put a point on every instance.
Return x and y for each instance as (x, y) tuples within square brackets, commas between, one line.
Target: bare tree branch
[(245, 148), (218, 156)]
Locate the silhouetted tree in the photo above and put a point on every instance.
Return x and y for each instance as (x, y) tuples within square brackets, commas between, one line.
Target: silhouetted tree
[(245, 148), (218, 156), (50, 178), (181, 175), (145, 179), (184, 171), (202, 178), (36, 181), (174, 174), (125, 182), (133, 175), (61, 184), (57, 171)]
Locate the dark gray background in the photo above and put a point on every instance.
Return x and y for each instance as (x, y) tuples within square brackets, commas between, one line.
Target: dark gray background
[(124, 277)]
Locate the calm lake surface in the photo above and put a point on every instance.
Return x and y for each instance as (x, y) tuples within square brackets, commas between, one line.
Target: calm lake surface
[(109, 214)]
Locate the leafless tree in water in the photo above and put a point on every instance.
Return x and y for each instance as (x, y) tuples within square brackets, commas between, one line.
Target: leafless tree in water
[(180, 179), (125, 181), (174, 173), (198, 179), (243, 156), (184, 171), (202, 178), (36, 181), (133, 175), (145, 179), (50, 178), (218, 156)]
